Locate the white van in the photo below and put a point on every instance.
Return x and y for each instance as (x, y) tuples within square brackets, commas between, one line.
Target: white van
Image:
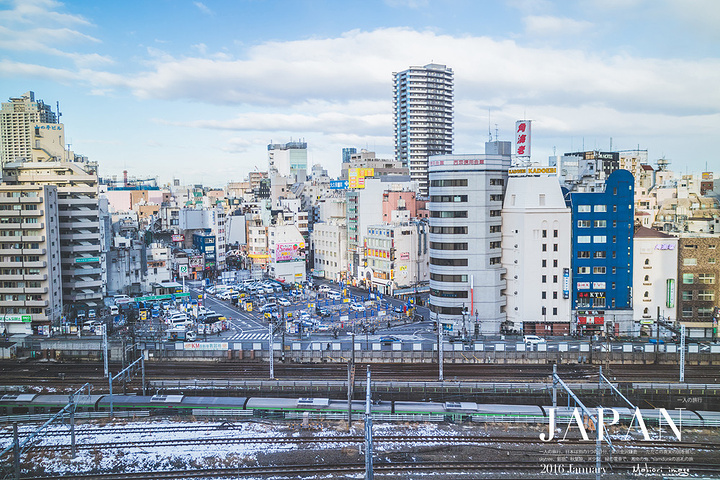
[(532, 339), (114, 310)]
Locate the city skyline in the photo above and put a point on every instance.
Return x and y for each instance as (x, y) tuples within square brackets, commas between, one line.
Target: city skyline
[(197, 90)]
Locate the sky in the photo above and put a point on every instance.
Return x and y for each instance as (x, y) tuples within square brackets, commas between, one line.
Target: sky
[(196, 90)]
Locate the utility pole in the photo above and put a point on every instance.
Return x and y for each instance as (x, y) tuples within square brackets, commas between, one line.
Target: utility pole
[(441, 375), (270, 343), (368, 431), (105, 349), (682, 353)]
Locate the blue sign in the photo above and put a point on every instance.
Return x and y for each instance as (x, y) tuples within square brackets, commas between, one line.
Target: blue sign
[(339, 185)]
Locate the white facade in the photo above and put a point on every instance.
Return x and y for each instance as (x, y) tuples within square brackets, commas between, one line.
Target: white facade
[(287, 249), (329, 242), (537, 252), (396, 256), (655, 271), (466, 193), (289, 160)]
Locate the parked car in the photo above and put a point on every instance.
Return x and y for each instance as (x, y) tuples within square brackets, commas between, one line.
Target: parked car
[(268, 307), (324, 289), (114, 310), (322, 312), (284, 302), (91, 313), (334, 295)]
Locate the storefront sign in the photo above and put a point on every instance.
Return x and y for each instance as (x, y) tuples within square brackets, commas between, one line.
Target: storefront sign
[(206, 346)]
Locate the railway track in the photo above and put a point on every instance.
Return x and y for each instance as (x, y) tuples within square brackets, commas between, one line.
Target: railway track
[(62, 374), (472, 440), (582, 469)]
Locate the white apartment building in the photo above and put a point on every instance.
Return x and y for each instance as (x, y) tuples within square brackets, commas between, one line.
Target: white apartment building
[(466, 274), (655, 282), (536, 254), (83, 259), (22, 120), (30, 272)]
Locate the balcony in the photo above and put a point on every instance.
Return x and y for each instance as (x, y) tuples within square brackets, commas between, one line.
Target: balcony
[(40, 264), (36, 290), (30, 200), (36, 303), (33, 251), (33, 238), (12, 290)]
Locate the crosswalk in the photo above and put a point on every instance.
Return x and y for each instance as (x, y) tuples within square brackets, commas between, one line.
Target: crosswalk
[(250, 336)]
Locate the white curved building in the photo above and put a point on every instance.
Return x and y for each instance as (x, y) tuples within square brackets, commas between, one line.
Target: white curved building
[(466, 273)]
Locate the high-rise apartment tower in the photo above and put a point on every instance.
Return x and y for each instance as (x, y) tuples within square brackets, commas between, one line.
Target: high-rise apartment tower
[(423, 117)]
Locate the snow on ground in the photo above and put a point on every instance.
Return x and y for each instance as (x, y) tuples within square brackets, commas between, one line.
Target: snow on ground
[(173, 456)]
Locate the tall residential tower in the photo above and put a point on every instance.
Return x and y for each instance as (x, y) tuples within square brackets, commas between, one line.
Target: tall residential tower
[(423, 117)]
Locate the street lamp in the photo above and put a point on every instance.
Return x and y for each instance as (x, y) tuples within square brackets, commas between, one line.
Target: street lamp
[(464, 326)]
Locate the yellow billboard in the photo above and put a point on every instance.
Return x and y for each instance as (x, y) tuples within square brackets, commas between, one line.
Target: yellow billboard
[(356, 176)]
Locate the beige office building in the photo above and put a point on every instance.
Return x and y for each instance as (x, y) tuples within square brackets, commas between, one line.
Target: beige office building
[(30, 275)]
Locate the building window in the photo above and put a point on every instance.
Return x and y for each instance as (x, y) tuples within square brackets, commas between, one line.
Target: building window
[(688, 278), (584, 239), (497, 181), (583, 270), (544, 311), (543, 296), (687, 311), (599, 302), (544, 247), (495, 213), (555, 247), (555, 295), (599, 254), (544, 263), (600, 239), (687, 295), (599, 270), (459, 182), (583, 208), (706, 278), (555, 278), (544, 233), (600, 223), (706, 295), (647, 278), (555, 311), (704, 312), (584, 224), (495, 260), (690, 261), (555, 263), (555, 233), (544, 279), (448, 246), (600, 208), (583, 254), (451, 214)]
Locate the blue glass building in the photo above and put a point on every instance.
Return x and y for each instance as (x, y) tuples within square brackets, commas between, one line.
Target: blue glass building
[(602, 255)]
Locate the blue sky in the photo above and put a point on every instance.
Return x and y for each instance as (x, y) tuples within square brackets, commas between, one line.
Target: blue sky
[(196, 90)]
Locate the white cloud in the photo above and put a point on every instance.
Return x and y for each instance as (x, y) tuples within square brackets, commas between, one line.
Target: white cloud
[(548, 26), (203, 8)]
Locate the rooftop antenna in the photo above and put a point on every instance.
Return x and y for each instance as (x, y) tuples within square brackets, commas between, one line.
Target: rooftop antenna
[(58, 111), (489, 130), (496, 132)]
